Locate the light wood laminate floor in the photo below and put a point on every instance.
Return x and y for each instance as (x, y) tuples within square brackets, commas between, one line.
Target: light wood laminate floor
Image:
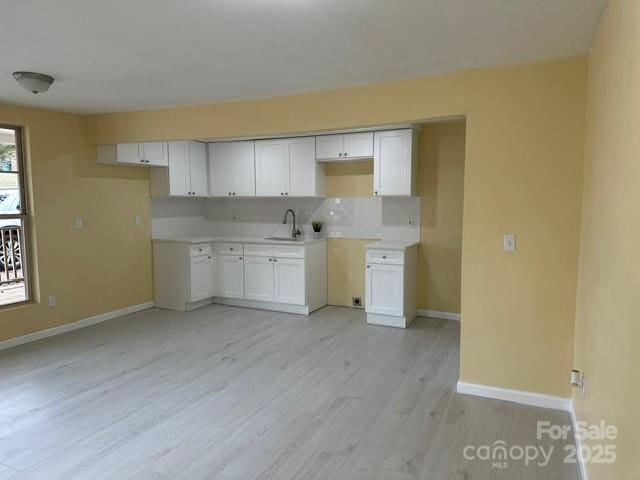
[(232, 393)]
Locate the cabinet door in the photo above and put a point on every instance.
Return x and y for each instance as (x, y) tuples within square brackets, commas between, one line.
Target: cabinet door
[(201, 278), (231, 276), (198, 175), (329, 146), (179, 183), (300, 175), (258, 278), (129, 153), (270, 168), (221, 168), (289, 281), (358, 144), (244, 169), (155, 154), (392, 163), (384, 289)]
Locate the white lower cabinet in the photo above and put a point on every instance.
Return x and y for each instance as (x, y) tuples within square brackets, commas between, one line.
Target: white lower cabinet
[(281, 277), (258, 278), (384, 289), (289, 281), (201, 278), (231, 276), (390, 285)]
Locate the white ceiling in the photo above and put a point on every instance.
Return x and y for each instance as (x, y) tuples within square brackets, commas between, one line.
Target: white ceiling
[(115, 55)]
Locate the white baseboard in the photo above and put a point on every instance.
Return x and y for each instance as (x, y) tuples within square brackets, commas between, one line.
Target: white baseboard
[(516, 396), (271, 306), (582, 467), (442, 315), (68, 327)]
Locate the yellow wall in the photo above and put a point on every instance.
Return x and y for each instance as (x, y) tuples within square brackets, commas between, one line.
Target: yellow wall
[(523, 173), (350, 179), (608, 305), (105, 266), (345, 270), (441, 185)]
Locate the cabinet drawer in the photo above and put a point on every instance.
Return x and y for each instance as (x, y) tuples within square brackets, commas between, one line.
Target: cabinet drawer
[(199, 250), (258, 250), (288, 251), (392, 257), (230, 249)]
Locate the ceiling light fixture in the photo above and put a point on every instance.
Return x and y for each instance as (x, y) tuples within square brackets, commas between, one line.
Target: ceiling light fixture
[(34, 82)]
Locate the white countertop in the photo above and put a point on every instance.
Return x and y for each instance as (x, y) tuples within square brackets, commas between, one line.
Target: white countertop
[(391, 245), (194, 240)]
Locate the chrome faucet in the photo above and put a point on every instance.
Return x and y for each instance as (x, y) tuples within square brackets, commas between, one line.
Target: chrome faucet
[(294, 231)]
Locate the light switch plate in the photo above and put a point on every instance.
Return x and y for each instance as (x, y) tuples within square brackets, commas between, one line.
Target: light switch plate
[(79, 224), (138, 220), (53, 301), (509, 242)]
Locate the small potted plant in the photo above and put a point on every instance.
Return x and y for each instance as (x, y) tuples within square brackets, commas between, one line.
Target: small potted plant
[(317, 228)]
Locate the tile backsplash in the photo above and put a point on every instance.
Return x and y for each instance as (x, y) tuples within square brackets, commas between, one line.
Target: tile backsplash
[(360, 217)]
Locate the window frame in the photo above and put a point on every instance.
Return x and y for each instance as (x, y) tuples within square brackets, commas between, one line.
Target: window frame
[(23, 216)]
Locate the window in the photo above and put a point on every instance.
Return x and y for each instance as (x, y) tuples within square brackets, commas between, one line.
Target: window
[(14, 285)]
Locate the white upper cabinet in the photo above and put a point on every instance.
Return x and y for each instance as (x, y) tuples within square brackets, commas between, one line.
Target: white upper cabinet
[(287, 167), (153, 154), (329, 146), (187, 172), (179, 177), (270, 168), (395, 163), (358, 145), (198, 174), (344, 146), (232, 169)]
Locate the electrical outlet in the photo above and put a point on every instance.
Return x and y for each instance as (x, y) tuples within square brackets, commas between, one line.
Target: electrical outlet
[(357, 301), (509, 242), (53, 301), (412, 222), (79, 224), (138, 220)]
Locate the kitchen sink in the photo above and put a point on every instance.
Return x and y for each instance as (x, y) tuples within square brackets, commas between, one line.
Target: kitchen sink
[(285, 239)]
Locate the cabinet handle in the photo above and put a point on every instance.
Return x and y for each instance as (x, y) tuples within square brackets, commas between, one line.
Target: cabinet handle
[(231, 249), (345, 154), (384, 257), (340, 154), (239, 258), (271, 259), (375, 193), (286, 193), (281, 193), (234, 194), (275, 259), (229, 193), (368, 266), (209, 257)]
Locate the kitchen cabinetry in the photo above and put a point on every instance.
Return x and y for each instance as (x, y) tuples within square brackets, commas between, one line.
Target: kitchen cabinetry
[(289, 281), (184, 274), (201, 273), (186, 174), (258, 278), (390, 284), (151, 154), (232, 169), (287, 167), (395, 163), (280, 276), (345, 146), (231, 275)]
